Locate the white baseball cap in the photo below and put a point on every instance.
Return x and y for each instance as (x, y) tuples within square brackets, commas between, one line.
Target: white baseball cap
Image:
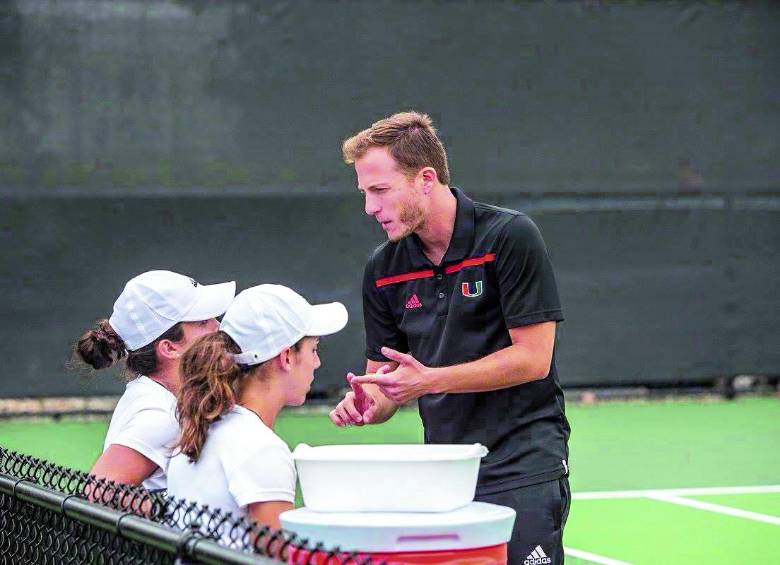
[(266, 319), (155, 301)]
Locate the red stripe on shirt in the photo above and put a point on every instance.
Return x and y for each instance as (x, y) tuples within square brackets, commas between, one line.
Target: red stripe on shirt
[(404, 277), (472, 262)]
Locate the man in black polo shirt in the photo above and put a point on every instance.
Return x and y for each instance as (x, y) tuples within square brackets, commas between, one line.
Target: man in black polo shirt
[(460, 310)]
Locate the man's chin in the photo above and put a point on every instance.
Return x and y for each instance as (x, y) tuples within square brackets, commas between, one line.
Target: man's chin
[(395, 237)]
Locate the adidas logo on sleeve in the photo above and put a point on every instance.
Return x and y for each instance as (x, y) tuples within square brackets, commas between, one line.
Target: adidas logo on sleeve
[(537, 557)]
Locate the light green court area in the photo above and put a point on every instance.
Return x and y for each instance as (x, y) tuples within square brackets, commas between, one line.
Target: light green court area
[(763, 503), (649, 531), (615, 446)]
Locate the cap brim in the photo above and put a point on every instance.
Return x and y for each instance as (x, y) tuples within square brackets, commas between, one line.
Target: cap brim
[(327, 319), (213, 301)]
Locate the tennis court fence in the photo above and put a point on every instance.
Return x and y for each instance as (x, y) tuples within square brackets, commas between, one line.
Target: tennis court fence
[(53, 514)]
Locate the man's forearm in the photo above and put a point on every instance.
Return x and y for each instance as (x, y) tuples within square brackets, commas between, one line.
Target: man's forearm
[(529, 358), (507, 367)]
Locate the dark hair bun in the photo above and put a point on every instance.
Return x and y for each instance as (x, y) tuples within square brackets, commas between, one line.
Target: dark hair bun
[(100, 348)]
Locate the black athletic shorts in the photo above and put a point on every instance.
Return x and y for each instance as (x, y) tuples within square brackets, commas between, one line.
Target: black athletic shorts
[(542, 509)]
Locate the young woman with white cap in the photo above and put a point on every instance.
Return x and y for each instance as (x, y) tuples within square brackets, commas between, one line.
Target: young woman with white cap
[(157, 316), (235, 383)]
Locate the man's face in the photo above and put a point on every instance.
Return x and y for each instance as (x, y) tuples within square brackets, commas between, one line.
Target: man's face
[(392, 199)]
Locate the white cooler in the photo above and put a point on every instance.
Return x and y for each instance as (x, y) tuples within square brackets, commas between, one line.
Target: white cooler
[(477, 532)]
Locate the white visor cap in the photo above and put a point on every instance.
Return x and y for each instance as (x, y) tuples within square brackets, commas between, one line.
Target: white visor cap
[(155, 301), (266, 319)]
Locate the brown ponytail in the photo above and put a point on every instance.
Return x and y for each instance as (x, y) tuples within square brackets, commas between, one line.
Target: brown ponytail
[(102, 347), (210, 388)]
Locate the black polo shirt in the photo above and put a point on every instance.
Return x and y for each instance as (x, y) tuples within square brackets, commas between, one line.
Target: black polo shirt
[(495, 275)]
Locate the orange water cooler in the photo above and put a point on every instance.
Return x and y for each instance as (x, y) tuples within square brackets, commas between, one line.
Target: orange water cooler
[(475, 534)]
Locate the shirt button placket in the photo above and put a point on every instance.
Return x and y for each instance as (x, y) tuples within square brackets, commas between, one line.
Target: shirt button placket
[(441, 294)]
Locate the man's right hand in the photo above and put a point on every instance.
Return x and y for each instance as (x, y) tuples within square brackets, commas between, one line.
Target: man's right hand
[(359, 406)]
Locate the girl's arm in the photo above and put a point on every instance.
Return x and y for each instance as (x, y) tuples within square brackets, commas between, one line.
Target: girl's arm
[(267, 513)]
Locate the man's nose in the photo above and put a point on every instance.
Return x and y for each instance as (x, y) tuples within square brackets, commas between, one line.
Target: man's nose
[(372, 206)]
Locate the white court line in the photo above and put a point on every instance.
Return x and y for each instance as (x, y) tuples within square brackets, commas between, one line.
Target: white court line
[(718, 508), (592, 557), (604, 495)]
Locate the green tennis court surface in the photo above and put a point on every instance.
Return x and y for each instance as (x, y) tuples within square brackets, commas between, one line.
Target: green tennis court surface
[(678, 482)]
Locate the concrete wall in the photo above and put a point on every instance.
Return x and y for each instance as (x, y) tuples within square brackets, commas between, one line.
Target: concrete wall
[(657, 291), (547, 97), (205, 137)]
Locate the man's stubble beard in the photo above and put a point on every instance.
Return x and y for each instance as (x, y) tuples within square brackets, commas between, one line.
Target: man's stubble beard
[(412, 217)]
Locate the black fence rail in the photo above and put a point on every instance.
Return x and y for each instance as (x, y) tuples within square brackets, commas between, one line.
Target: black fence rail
[(53, 514)]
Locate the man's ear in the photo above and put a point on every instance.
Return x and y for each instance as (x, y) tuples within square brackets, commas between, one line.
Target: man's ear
[(429, 178), (167, 349)]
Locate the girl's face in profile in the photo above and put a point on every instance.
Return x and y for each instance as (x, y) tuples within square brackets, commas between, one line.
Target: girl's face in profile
[(306, 360), (194, 330)]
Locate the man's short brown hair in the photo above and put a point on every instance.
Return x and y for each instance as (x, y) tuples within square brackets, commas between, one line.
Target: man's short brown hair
[(411, 140)]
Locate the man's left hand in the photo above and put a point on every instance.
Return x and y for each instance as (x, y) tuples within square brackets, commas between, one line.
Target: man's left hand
[(409, 381)]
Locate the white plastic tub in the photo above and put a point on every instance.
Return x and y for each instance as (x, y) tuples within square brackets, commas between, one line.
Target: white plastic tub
[(388, 478)]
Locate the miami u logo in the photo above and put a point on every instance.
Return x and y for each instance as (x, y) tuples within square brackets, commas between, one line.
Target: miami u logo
[(465, 289)]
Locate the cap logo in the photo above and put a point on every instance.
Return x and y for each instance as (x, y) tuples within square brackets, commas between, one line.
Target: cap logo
[(194, 282), (465, 289)]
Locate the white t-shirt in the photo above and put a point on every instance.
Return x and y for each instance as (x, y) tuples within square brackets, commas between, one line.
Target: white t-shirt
[(243, 461), (145, 420)]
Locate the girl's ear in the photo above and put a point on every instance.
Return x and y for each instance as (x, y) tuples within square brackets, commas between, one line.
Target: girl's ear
[(285, 359), (166, 349)]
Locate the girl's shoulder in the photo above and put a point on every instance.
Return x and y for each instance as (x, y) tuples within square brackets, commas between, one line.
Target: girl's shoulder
[(142, 393), (244, 426), (239, 438)]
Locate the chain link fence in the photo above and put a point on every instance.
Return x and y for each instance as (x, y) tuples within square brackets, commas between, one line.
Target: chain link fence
[(51, 514)]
